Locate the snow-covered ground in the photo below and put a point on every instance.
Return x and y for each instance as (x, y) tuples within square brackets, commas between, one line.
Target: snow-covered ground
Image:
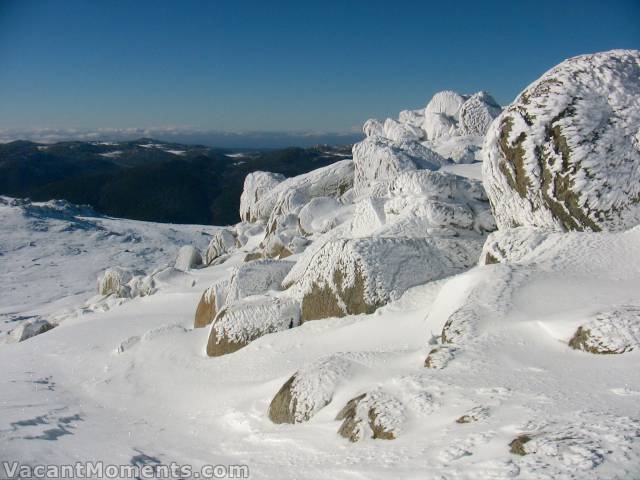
[(133, 384)]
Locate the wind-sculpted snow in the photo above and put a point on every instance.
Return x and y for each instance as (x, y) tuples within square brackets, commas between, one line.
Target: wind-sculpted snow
[(564, 155), (257, 185)]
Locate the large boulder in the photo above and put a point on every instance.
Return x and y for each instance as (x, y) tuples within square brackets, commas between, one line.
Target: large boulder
[(612, 331), (310, 389), (565, 154), (477, 113), (238, 324), (353, 276), (125, 283), (188, 257)]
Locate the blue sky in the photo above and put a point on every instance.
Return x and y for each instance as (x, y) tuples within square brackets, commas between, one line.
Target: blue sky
[(279, 66)]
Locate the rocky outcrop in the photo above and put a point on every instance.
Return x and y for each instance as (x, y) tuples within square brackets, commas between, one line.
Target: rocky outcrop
[(375, 414), (188, 257), (238, 324), (310, 389), (565, 154)]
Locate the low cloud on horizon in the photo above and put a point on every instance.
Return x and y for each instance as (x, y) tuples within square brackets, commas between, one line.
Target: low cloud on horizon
[(184, 135)]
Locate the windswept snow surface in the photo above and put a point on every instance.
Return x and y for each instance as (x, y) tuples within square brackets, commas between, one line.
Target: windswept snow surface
[(134, 382), (51, 254)]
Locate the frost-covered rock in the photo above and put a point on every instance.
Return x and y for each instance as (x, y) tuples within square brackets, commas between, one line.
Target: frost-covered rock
[(612, 331), (256, 186), (353, 276), (374, 414), (115, 281), (477, 113), (29, 329), (438, 125), (373, 127), (222, 242), (211, 302), (379, 160), (238, 324), (256, 278), (446, 103), (401, 132), (415, 118), (564, 154), (188, 257), (310, 389)]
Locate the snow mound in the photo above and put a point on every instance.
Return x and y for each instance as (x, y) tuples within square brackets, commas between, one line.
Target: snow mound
[(446, 103), (612, 331), (374, 414), (310, 389), (238, 324), (188, 257), (353, 276), (564, 155), (256, 186), (320, 215)]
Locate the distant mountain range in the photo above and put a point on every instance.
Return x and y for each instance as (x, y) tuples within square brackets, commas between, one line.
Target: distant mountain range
[(148, 179)]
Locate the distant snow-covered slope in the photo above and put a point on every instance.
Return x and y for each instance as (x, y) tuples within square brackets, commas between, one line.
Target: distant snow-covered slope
[(52, 253)]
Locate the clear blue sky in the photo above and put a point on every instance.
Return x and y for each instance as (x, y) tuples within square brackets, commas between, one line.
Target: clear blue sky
[(280, 65)]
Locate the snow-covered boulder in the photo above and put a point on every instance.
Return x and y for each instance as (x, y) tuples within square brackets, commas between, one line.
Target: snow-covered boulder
[(310, 389), (477, 113), (29, 329), (211, 302), (116, 281), (446, 103), (256, 278), (379, 160), (565, 154), (611, 331), (353, 276), (256, 186), (238, 324), (222, 242), (374, 414), (188, 257), (415, 118), (372, 128), (291, 194), (401, 132)]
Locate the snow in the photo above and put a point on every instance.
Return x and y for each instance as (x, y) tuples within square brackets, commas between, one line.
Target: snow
[(113, 154), (188, 257)]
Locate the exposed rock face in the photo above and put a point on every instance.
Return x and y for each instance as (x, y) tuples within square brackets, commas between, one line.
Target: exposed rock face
[(223, 241), (347, 277), (309, 390), (612, 331), (565, 154), (374, 414), (238, 324), (257, 185), (188, 257), (212, 300)]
